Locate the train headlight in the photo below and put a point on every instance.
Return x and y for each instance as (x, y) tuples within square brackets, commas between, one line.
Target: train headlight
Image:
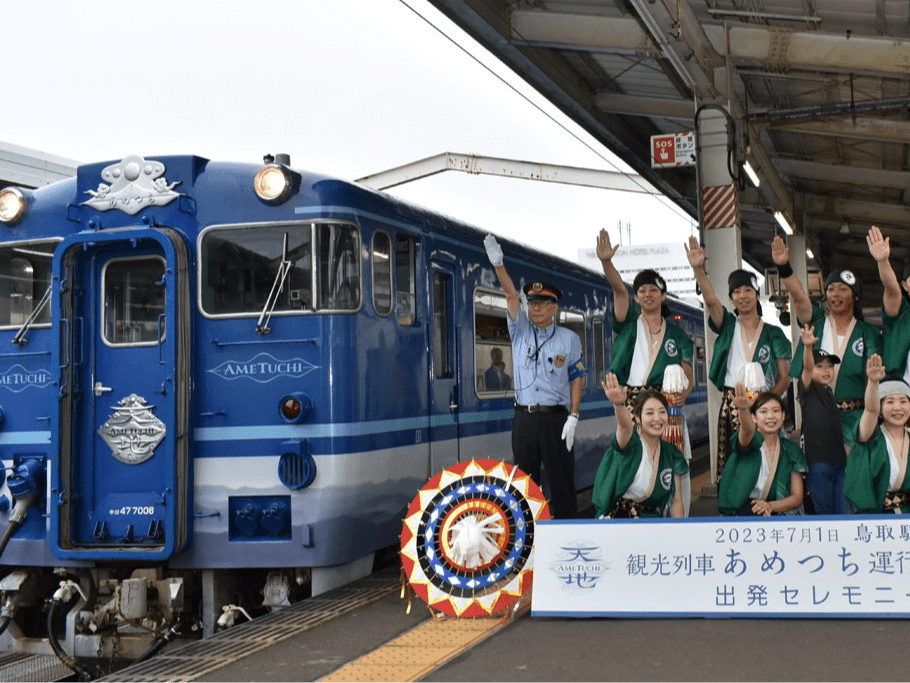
[(295, 408), (12, 205), (273, 183)]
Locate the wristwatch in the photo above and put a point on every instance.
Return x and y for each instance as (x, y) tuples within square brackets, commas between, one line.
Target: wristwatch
[(575, 415)]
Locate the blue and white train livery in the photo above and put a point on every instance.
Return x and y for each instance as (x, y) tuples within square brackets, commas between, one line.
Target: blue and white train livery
[(221, 384)]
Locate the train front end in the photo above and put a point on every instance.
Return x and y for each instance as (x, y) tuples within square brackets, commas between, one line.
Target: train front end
[(160, 320)]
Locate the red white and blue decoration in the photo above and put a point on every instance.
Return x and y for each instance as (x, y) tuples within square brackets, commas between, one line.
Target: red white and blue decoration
[(467, 539)]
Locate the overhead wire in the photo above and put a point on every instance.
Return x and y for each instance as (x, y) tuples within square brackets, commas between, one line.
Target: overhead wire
[(660, 198)]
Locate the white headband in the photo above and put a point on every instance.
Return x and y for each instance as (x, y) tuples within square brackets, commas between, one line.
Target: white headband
[(891, 387)]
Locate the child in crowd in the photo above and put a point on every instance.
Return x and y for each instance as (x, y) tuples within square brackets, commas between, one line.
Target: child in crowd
[(823, 439)]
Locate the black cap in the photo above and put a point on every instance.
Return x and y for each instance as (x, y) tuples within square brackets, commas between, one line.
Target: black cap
[(542, 291), (848, 278), (820, 354), (741, 278), (649, 277)]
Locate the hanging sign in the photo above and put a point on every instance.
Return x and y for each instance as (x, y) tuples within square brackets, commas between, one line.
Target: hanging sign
[(673, 149)]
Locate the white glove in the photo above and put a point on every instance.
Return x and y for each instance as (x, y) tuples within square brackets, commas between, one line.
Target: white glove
[(494, 251), (568, 431)]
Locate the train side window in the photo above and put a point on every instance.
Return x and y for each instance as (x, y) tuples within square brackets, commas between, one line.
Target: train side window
[(492, 346), (25, 275), (133, 301), (443, 346), (405, 277), (382, 273), (599, 350), (575, 321), (338, 273)]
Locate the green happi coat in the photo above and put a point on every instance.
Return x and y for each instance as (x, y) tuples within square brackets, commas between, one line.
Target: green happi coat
[(677, 347), (772, 345), (743, 467), (868, 473), (851, 378), (617, 472), (896, 340)]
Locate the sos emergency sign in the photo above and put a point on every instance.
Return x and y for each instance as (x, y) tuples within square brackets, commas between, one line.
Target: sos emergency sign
[(673, 149)]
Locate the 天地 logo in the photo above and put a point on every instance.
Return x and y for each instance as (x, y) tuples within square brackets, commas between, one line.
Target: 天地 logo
[(579, 566)]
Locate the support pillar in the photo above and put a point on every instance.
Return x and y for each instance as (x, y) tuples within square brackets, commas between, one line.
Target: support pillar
[(720, 231)]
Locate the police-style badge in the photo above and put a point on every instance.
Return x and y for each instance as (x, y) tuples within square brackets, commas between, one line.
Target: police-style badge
[(559, 360)]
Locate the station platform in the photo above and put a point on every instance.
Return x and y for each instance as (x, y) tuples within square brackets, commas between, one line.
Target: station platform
[(365, 632)]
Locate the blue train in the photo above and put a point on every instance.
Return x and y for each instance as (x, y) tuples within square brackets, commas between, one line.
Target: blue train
[(221, 385)]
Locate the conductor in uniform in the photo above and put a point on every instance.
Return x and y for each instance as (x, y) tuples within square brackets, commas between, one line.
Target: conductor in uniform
[(547, 377)]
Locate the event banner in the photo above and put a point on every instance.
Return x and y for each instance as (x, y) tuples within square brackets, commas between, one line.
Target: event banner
[(784, 566)]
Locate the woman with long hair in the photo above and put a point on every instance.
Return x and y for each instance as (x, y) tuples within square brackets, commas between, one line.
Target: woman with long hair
[(639, 475)]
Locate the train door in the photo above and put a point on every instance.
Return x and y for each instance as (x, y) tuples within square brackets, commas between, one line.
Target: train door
[(445, 369), (120, 480)]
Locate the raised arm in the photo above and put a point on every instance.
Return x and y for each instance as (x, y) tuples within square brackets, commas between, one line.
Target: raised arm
[(880, 248), (802, 304), (743, 403), (875, 373), (605, 252), (617, 394), (696, 256), (808, 338), (494, 253)]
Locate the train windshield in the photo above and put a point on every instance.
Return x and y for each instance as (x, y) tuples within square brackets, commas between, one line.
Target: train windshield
[(238, 267), (25, 276)]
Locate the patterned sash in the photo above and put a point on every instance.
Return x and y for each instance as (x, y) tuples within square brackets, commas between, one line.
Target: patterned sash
[(630, 509), (895, 500), (727, 425), (849, 404)]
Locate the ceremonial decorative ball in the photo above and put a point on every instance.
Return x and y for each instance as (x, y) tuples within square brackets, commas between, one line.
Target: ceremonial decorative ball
[(467, 539)]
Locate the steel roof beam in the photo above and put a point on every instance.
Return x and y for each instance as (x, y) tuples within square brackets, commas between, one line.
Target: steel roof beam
[(812, 50), (508, 168), (849, 175), (877, 130), (634, 105)]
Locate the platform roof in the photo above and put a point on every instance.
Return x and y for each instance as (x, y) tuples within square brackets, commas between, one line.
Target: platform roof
[(819, 91)]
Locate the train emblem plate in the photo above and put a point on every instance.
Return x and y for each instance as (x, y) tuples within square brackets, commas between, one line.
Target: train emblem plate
[(132, 432), (131, 185)]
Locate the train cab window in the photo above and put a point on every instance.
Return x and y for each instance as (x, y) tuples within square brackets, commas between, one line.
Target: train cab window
[(133, 306), (338, 272), (240, 266), (405, 280), (25, 278), (599, 350), (575, 321), (382, 273), (492, 346)]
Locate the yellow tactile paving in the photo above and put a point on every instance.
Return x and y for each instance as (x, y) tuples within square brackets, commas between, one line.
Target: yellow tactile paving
[(416, 653)]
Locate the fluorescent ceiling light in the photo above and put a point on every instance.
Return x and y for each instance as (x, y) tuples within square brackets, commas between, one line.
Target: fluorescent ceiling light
[(782, 221), (753, 176)]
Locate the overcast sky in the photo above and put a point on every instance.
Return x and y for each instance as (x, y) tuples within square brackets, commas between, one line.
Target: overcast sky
[(346, 87)]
